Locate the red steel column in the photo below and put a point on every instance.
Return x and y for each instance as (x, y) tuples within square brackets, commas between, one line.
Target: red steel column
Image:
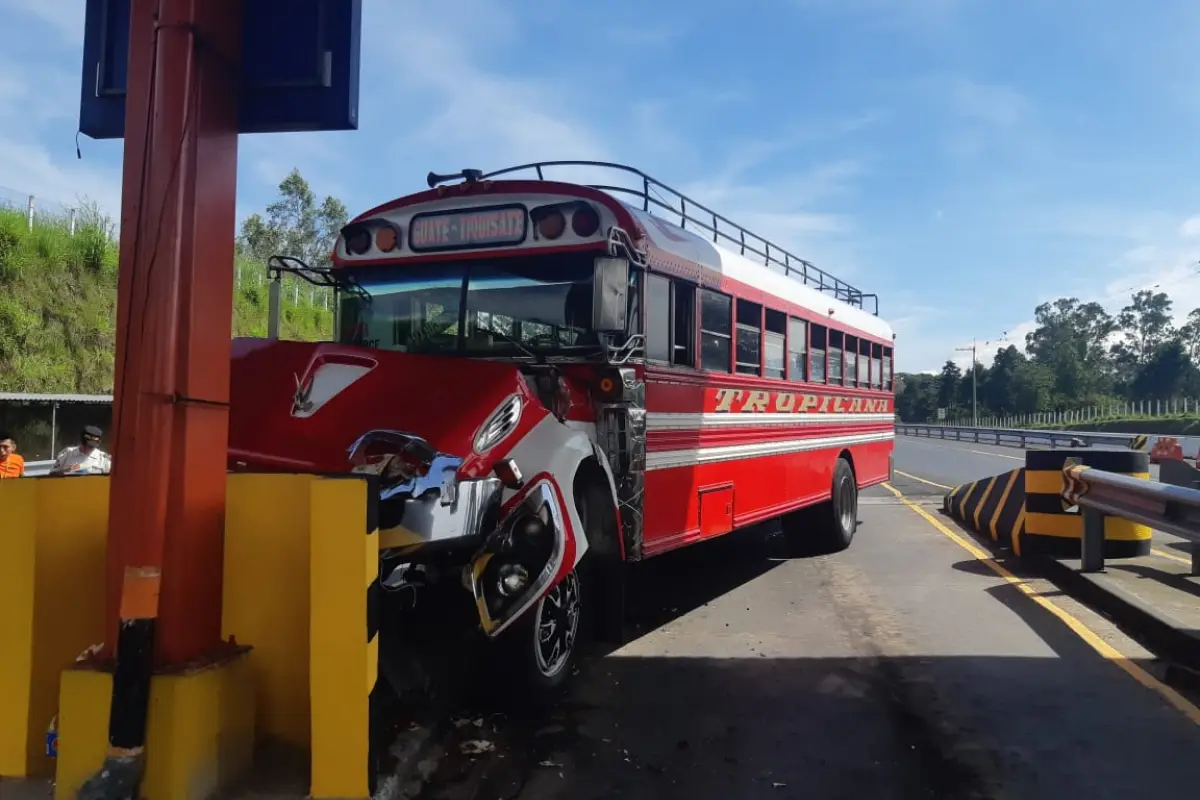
[(174, 316)]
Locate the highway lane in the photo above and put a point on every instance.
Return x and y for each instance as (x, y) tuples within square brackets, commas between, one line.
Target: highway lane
[(952, 463), (904, 667), (927, 467)]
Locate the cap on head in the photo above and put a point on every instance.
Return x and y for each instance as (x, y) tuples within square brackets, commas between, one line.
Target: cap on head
[(92, 434)]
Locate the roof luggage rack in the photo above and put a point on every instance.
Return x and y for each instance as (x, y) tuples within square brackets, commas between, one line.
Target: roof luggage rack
[(700, 216)]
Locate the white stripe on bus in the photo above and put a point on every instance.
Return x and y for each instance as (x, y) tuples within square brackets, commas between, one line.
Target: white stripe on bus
[(668, 459)]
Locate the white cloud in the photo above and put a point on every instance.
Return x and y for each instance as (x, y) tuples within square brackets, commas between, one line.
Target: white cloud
[(29, 169), (1171, 265), (64, 16), (1190, 227), (993, 104)]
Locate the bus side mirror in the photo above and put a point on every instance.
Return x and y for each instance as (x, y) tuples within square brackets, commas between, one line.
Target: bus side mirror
[(610, 290)]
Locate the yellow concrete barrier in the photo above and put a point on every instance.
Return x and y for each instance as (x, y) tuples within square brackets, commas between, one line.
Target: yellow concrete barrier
[(51, 604), (993, 507), (343, 635), (301, 584), (1051, 529), (199, 733)]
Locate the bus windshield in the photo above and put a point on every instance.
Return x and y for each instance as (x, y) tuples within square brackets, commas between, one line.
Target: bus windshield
[(499, 307)]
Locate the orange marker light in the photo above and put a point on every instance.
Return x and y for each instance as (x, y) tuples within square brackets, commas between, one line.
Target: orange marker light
[(387, 239), (552, 225)]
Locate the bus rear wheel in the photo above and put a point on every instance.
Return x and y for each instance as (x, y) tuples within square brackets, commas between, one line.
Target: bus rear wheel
[(830, 526)]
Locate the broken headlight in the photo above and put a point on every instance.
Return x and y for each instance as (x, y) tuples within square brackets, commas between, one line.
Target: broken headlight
[(518, 561)]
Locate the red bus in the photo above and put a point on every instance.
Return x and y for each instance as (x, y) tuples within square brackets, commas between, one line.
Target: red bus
[(551, 379)]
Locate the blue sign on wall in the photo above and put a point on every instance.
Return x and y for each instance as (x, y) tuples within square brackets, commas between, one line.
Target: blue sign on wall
[(300, 66)]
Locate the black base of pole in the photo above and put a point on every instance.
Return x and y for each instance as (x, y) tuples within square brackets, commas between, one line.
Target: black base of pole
[(121, 775), (119, 779)]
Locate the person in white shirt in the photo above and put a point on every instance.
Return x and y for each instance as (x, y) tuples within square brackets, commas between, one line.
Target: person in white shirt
[(85, 459)]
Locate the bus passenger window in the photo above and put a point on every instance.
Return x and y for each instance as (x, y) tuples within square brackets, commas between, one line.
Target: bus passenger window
[(816, 354), (683, 323), (658, 318), (850, 349), (868, 368), (716, 330), (797, 343), (749, 337), (836, 342), (774, 357), (887, 368)]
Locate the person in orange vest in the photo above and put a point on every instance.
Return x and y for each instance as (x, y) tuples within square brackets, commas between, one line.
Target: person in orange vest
[(11, 464)]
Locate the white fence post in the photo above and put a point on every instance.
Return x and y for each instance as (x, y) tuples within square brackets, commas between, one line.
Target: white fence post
[(29, 207)]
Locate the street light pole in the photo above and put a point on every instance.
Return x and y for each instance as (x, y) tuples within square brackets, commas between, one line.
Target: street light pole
[(974, 383)]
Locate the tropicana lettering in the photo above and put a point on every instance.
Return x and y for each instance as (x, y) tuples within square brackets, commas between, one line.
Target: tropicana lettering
[(741, 401)]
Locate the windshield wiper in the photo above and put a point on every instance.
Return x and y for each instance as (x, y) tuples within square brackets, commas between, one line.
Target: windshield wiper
[(520, 346), (317, 276)]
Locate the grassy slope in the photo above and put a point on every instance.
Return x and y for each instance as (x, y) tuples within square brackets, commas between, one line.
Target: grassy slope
[(58, 307)]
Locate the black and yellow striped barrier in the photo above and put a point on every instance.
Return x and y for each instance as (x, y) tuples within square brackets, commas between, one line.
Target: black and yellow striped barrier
[(344, 656), (1053, 528), (993, 507)]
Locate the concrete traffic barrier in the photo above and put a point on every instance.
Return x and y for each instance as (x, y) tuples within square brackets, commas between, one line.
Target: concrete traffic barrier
[(300, 593), (1056, 530), (51, 605), (993, 507), (343, 635)]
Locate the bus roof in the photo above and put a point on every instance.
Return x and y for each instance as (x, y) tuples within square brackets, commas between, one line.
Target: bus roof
[(670, 238), (685, 238), (674, 223)]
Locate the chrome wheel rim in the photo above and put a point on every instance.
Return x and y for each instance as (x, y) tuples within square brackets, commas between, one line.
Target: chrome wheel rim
[(846, 504), (556, 626)]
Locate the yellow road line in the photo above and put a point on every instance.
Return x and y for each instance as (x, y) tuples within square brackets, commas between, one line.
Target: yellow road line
[(1172, 556), (922, 480), (1103, 648)]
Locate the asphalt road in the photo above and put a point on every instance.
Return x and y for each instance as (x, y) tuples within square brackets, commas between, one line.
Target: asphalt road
[(927, 467), (902, 668), (950, 463)]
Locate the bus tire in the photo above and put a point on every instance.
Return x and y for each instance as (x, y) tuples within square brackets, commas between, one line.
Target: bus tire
[(830, 526), (541, 648), (837, 520)]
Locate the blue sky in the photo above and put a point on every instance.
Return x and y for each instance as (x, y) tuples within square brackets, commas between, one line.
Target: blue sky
[(963, 159)]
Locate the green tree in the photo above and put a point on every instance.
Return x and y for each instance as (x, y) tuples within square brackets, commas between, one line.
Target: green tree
[(1189, 335), (1071, 341), (947, 386), (979, 388), (296, 224), (1168, 373), (917, 400), (1000, 396), (1145, 326)]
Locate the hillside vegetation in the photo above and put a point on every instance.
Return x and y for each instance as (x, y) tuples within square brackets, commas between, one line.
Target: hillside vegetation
[(58, 290)]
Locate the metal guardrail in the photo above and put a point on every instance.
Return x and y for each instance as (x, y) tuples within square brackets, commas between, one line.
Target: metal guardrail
[(1018, 436), (37, 469), (1159, 506)]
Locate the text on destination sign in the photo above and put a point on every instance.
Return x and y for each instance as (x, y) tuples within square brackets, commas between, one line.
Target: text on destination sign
[(453, 230)]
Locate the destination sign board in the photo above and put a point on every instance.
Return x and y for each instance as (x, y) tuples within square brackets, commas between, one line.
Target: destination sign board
[(467, 228)]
